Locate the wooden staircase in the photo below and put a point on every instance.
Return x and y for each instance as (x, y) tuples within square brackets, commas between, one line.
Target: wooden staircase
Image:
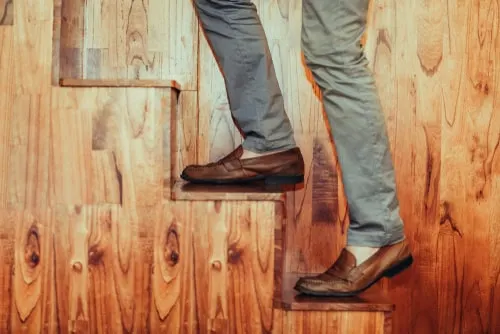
[(114, 242)]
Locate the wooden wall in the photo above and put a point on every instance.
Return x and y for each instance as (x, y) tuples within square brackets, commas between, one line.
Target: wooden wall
[(72, 194)]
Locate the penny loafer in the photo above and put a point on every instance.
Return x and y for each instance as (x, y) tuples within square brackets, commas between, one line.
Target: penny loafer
[(344, 278), (286, 167)]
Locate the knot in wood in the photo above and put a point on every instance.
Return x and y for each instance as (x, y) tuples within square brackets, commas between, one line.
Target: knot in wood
[(233, 255), (174, 257), (217, 265), (35, 259), (77, 266)]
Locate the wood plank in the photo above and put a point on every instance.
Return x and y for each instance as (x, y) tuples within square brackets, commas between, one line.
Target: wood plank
[(69, 82), (7, 91), (99, 269), (103, 39), (32, 285), (173, 290), (470, 174), (56, 42), (373, 300), (29, 174), (185, 134), (9, 220), (6, 12), (393, 60), (233, 265), (186, 191), (71, 165), (305, 322), (129, 122)]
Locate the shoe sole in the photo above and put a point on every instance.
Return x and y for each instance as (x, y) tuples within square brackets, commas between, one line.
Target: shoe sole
[(267, 179), (390, 272)]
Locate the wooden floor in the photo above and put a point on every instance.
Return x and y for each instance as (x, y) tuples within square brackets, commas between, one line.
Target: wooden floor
[(94, 236)]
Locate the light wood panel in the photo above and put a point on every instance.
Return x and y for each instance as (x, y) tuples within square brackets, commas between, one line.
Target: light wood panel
[(6, 106), (103, 39), (6, 12), (116, 154), (28, 146), (185, 134)]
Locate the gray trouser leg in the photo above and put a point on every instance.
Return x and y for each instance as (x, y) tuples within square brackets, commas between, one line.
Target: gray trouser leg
[(234, 31), (331, 34)]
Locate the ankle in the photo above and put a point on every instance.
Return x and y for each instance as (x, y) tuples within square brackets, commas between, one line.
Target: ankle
[(250, 154), (362, 253)]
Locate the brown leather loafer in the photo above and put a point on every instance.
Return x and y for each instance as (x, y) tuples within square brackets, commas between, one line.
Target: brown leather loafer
[(344, 278), (286, 167)]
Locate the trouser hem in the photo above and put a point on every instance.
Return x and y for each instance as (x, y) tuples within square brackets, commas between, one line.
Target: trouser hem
[(376, 240), (258, 145)]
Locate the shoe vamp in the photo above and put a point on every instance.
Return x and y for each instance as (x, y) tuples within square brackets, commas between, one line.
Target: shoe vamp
[(218, 171), (264, 167)]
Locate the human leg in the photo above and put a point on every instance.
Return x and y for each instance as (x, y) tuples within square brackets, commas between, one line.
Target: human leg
[(269, 151), (331, 40)]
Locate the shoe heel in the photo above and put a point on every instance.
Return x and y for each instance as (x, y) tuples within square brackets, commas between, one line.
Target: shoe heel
[(399, 267), (283, 180)]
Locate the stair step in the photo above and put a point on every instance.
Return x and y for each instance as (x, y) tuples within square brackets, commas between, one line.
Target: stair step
[(184, 191), (70, 82), (288, 299)]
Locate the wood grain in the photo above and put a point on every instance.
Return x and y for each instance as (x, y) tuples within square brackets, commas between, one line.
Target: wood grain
[(173, 289), (6, 12), (29, 145), (233, 260), (444, 140), (103, 39), (129, 123), (108, 152), (305, 322), (32, 289), (71, 160), (7, 91), (185, 134), (9, 220), (94, 256)]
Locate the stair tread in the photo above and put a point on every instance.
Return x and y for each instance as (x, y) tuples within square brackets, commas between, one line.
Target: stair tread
[(183, 190), (145, 83), (373, 299)]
